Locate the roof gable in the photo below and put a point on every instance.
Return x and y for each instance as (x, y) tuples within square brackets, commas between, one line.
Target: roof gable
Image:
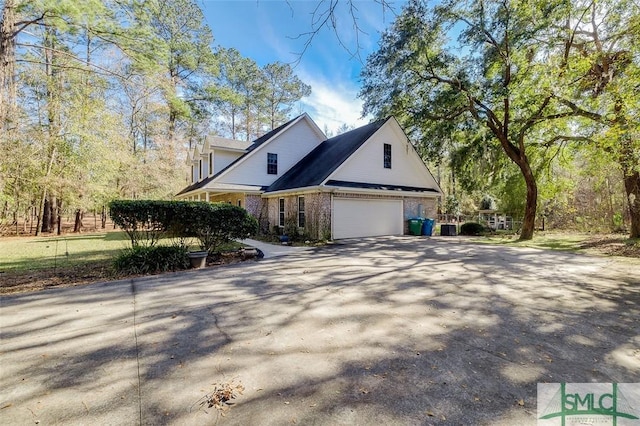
[(368, 165), (261, 141), (318, 165), (355, 160)]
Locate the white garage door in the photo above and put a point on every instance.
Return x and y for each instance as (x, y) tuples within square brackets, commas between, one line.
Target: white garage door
[(356, 217)]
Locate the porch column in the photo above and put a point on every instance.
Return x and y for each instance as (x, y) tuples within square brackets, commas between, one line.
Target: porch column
[(206, 194)]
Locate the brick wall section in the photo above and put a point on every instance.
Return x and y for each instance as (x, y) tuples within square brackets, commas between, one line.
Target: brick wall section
[(419, 207), (317, 208), (257, 207), (318, 215)]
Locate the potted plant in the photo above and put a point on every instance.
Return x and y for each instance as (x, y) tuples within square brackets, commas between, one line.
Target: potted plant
[(198, 258)]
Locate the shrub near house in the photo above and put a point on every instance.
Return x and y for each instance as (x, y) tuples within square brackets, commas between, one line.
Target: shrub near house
[(147, 222)]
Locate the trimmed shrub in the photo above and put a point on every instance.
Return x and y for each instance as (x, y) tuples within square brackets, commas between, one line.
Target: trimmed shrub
[(151, 260), (217, 224), (471, 228), (146, 221)]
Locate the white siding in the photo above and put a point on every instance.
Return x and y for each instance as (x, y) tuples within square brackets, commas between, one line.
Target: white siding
[(222, 159), (357, 217), (366, 165), (194, 171), (205, 166), (291, 146)]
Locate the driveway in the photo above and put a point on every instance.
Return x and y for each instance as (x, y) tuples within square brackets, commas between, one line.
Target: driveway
[(398, 330)]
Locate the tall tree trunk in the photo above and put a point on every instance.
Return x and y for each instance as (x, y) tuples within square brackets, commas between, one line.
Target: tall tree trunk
[(7, 65), (173, 117), (103, 217), (529, 221), (77, 227), (59, 218), (630, 172), (53, 212), (52, 98), (46, 216), (632, 188)]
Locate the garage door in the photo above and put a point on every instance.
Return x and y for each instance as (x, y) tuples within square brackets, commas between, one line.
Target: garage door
[(356, 217)]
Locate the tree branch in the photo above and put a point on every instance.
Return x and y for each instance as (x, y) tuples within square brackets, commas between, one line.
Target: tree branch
[(106, 71)]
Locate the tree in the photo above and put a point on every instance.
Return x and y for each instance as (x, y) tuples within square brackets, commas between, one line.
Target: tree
[(8, 30), (282, 89), (502, 81), (238, 93), (604, 48), (70, 65), (180, 46)]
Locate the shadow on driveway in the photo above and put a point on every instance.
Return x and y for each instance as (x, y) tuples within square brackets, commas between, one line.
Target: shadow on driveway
[(396, 330)]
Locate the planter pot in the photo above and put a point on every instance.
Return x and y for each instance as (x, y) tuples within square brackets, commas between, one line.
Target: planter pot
[(198, 259), (249, 252)]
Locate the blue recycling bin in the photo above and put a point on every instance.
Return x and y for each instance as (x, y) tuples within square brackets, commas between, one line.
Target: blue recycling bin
[(427, 226)]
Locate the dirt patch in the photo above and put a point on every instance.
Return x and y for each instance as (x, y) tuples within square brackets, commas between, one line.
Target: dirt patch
[(611, 245), (28, 281)]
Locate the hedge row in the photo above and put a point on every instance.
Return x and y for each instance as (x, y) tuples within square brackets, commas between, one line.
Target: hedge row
[(212, 224)]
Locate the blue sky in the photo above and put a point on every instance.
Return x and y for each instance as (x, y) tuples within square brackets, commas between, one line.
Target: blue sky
[(267, 31)]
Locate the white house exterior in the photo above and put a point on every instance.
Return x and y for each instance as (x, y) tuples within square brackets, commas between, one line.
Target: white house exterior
[(365, 182)]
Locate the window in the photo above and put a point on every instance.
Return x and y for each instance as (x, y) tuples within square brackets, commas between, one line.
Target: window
[(210, 163), (239, 203), (281, 212), (199, 169), (301, 212), (387, 156), (193, 171), (272, 163)]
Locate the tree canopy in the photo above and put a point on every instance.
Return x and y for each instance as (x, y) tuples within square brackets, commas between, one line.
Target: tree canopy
[(101, 100), (467, 78)]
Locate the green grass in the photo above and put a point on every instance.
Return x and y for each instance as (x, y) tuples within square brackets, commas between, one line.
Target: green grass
[(66, 251), (548, 241), (29, 253)]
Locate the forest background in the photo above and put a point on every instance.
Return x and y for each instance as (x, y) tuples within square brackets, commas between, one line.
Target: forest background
[(103, 99)]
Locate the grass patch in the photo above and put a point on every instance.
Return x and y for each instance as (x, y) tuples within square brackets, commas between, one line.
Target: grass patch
[(35, 263), (563, 242), (68, 251), (600, 244), (33, 254)]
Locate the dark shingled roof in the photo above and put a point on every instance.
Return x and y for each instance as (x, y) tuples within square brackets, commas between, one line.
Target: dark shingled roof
[(313, 169), (346, 184), (256, 143)]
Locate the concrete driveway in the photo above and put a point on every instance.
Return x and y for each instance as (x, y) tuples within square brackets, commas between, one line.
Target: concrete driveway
[(398, 330)]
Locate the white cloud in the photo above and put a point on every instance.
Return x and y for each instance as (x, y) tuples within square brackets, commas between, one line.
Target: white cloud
[(333, 104)]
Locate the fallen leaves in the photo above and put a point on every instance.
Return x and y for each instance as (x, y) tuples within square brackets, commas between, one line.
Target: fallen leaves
[(221, 396)]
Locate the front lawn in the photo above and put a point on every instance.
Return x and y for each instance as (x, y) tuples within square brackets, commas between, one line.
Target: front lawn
[(597, 244), (65, 251), (33, 263)]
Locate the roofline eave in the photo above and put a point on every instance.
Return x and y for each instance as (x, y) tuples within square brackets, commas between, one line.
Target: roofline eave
[(393, 192), (344, 189)]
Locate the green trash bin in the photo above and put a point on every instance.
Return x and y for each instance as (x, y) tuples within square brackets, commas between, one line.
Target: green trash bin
[(415, 226)]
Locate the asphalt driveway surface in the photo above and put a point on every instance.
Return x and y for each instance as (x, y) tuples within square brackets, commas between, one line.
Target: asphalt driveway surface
[(398, 330)]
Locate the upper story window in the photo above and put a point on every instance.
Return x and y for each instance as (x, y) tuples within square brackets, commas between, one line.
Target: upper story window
[(387, 156), (301, 218), (272, 163), (211, 163), (199, 169)]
